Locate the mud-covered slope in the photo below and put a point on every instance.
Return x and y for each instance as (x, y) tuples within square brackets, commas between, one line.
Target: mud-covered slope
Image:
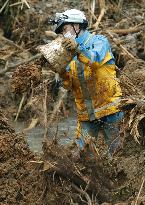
[(20, 182)]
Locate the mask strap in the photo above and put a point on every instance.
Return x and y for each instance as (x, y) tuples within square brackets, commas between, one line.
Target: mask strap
[(77, 33)]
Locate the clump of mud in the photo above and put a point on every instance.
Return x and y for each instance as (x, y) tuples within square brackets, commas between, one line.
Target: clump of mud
[(20, 182), (133, 78), (25, 77)]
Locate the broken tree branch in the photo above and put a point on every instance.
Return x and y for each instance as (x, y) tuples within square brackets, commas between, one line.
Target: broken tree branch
[(20, 105), (4, 6), (91, 6), (45, 108), (102, 12), (121, 46), (9, 67), (84, 193), (11, 43), (26, 3), (127, 31), (143, 180)]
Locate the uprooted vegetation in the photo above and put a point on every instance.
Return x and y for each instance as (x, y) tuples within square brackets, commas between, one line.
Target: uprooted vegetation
[(61, 177), (29, 93)]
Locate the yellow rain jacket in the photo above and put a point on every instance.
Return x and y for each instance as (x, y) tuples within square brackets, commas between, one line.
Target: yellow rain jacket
[(92, 77)]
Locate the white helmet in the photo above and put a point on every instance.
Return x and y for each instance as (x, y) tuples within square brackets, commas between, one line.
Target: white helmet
[(70, 16)]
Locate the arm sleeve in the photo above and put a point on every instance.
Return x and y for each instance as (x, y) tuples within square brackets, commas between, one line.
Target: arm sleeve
[(97, 51), (66, 79)]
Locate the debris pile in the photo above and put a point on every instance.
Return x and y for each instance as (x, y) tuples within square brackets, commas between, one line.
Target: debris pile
[(25, 77), (20, 182), (133, 86), (61, 176)]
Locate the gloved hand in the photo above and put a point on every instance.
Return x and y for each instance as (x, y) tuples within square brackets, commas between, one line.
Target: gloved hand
[(69, 44)]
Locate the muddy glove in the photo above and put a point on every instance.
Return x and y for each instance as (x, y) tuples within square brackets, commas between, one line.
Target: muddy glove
[(70, 44)]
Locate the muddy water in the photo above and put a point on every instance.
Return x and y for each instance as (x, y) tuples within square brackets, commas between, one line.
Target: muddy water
[(65, 134)]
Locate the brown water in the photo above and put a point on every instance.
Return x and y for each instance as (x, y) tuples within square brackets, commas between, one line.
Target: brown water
[(65, 134)]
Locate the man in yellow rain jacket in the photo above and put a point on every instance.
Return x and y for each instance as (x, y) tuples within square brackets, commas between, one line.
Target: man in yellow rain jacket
[(91, 75)]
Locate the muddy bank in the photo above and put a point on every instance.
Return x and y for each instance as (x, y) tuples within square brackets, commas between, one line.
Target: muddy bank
[(60, 174)]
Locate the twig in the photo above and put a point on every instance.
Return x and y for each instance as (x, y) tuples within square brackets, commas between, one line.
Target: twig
[(102, 12), (63, 94), (93, 15), (58, 105), (26, 61), (144, 41), (121, 46), (4, 6), (26, 3), (120, 3), (143, 180), (20, 105), (11, 43), (82, 192), (45, 109), (15, 4)]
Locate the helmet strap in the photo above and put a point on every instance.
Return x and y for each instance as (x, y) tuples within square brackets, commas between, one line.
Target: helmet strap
[(77, 33)]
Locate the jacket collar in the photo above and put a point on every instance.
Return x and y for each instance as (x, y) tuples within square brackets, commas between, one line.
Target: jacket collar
[(82, 38)]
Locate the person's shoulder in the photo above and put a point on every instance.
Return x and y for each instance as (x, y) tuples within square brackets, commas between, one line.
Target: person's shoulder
[(100, 37)]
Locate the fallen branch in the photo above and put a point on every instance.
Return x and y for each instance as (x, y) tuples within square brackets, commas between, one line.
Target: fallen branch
[(59, 161), (26, 3), (84, 193), (102, 12), (4, 6), (63, 95), (144, 41), (15, 4), (9, 67), (121, 46), (120, 4), (45, 109), (33, 123), (58, 105), (143, 180), (11, 43), (20, 106), (91, 4), (127, 31)]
